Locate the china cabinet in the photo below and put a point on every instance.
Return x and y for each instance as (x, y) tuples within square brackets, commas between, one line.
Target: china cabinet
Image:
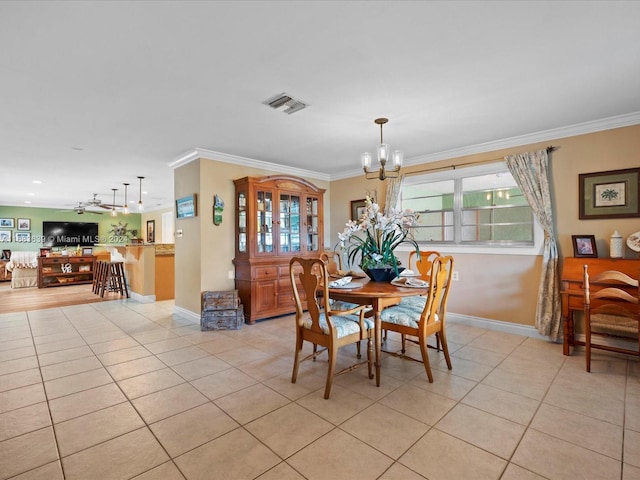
[(277, 217)]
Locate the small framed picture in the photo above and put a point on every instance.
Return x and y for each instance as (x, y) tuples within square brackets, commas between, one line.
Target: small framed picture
[(6, 254), (151, 231), (5, 235), (24, 224), (87, 251), (21, 237), (357, 208), (44, 252), (584, 246), (6, 223), (187, 207)]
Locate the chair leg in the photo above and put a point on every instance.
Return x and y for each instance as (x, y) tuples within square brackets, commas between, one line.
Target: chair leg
[(425, 358), (358, 355), (442, 339), (370, 356), (404, 339), (587, 343), (333, 359), (296, 360)]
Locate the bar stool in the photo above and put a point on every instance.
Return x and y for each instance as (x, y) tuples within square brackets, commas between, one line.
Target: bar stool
[(98, 277), (112, 278)]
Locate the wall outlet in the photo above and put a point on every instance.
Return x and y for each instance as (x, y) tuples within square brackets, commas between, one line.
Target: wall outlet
[(455, 276), (231, 275)]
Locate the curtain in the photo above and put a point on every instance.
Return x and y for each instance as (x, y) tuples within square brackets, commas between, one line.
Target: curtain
[(393, 192), (530, 170)]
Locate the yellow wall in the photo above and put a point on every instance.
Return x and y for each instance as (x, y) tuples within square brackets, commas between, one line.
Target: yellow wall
[(502, 287), (498, 287), (209, 258)]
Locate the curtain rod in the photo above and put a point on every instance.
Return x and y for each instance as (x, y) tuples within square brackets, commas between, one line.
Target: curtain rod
[(479, 162)]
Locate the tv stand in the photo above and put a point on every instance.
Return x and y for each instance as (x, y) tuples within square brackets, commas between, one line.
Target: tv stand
[(65, 270)]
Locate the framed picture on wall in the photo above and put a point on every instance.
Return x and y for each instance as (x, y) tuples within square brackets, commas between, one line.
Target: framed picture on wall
[(6, 223), (584, 246), (187, 207), (151, 231), (612, 194), (21, 237), (5, 235), (357, 208), (24, 224)]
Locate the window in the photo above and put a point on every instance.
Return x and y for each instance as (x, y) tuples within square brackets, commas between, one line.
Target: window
[(476, 206)]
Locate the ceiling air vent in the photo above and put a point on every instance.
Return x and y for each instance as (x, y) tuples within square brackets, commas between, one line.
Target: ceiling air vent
[(284, 100)]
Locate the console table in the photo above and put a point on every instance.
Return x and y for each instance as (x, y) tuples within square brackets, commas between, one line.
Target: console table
[(572, 290), (65, 270)]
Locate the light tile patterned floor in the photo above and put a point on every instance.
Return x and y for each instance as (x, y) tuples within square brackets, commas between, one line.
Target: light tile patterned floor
[(120, 390)]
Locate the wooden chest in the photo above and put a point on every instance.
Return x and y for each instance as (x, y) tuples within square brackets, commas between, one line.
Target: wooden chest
[(228, 319), (220, 300), (221, 311)]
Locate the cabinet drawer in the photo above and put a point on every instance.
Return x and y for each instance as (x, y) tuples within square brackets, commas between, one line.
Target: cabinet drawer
[(260, 273)]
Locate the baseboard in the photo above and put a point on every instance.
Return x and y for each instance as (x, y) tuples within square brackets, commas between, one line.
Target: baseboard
[(187, 314), (499, 326), (142, 298)]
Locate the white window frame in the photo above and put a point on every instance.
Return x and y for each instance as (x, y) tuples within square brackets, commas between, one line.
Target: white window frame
[(498, 249)]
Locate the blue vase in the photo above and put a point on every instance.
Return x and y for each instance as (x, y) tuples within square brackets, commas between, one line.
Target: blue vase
[(384, 274)]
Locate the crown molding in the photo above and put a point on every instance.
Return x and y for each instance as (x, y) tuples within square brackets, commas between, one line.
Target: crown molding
[(203, 153), (536, 137)]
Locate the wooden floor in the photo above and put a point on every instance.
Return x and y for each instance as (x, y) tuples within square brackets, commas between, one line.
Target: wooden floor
[(34, 298)]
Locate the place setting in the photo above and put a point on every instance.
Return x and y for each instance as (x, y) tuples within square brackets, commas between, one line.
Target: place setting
[(408, 278)]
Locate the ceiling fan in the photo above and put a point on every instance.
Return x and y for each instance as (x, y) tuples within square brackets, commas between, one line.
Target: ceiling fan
[(81, 209), (96, 202)]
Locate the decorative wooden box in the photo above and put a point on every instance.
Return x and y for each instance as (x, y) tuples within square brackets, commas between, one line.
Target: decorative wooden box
[(220, 300), (221, 311)]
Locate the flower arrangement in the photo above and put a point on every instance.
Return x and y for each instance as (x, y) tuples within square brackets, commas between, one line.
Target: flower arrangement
[(375, 236)]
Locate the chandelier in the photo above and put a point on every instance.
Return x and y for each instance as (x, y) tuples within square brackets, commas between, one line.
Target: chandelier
[(384, 152)]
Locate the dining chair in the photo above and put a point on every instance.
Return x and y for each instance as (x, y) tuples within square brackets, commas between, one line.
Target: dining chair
[(332, 260), (423, 316), (611, 311), (321, 324), (422, 264)]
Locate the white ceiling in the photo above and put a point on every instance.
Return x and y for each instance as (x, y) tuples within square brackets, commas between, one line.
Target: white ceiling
[(94, 94)]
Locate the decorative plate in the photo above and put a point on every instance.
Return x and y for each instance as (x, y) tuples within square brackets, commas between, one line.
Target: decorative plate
[(633, 242), (409, 282), (347, 286)]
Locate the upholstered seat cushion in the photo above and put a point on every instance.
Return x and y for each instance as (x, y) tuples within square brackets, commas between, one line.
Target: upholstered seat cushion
[(406, 313), (344, 325)]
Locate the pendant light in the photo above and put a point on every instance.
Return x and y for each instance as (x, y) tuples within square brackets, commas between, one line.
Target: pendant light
[(113, 205), (384, 154), (125, 209), (140, 206)]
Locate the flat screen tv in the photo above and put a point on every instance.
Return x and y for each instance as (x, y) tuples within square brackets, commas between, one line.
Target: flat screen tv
[(60, 234)]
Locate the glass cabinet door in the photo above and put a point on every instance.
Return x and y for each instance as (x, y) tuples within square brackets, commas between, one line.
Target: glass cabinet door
[(290, 239), (312, 224), (264, 218), (242, 222)]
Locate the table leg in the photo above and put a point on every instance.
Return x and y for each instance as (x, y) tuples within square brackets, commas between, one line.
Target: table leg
[(378, 339)]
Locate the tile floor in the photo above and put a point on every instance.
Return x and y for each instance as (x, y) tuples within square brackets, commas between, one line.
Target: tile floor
[(120, 390)]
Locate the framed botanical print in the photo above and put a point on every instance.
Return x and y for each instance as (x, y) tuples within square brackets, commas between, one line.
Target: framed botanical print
[(612, 194)]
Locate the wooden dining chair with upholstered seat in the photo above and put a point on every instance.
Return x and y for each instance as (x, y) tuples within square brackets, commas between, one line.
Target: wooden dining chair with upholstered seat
[(422, 265), (424, 316), (332, 260), (612, 310), (322, 325)]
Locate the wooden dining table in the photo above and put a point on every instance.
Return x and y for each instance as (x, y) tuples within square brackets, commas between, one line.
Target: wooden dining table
[(379, 295)]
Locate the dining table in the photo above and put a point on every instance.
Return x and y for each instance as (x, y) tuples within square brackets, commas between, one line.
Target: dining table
[(378, 295)]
